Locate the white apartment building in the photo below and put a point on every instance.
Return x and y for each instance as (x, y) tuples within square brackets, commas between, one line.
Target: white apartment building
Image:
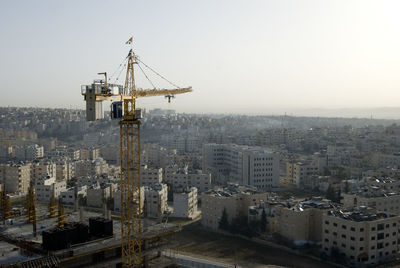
[(199, 180), (93, 167), (150, 176), (91, 180), (46, 186), (156, 198), (97, 195), (15, 177), (362, 237), (117, 199), (185, 203), (253, 166), (68, 196)]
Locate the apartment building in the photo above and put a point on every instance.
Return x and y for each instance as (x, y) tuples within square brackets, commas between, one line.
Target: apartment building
[(117, 199), (97, 194), (301, 222), (362, 236), (234, 198), (197, 179), (41, 169), (381, 194), (298, 172), (156, 198), (246, 165), (70, 195), (47, 186), (150, 176), (15, 177), (185, 203)]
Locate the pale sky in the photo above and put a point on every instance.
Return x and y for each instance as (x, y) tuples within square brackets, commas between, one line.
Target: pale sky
[(239, 56)]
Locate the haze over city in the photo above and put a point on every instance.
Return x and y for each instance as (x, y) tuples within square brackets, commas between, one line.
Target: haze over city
[(257, 57)]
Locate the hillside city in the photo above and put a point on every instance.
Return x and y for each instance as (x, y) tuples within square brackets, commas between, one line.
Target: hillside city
[(323, 190)]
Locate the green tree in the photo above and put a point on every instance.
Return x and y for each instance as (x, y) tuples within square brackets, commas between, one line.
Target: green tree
[(223, 222)]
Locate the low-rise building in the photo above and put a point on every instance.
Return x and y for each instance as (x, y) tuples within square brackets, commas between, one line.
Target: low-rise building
[(150, 176), (185, 203), (70, 195), (117, 199), (156, 198), (47, 186), (97, 195), (234, 199)]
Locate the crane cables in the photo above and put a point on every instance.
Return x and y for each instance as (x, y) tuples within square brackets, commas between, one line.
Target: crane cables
[(120, 68), (155, 72)]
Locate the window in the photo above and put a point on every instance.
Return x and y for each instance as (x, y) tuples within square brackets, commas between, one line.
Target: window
[(344, 227), (334, 233), (380, 226), (361, 238), (326, 231), (327, 222), (373, 229), (381, 236), (326, 240), (361, 248), (361, 229), (379, 245), (352, 238), (352, 229), (343, 236), (335, 224)]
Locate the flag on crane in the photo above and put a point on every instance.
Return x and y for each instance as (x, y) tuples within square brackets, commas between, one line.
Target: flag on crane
[(129, 41)]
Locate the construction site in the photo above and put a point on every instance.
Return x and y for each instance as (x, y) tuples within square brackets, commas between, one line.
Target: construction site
[(50, 235)]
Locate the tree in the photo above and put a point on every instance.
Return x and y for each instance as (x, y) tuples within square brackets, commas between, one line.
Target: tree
[(330, 194), (223, 222), (263, 221)]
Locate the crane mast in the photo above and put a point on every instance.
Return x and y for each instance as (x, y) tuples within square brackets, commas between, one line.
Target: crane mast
[(131, 196), (131, 227)]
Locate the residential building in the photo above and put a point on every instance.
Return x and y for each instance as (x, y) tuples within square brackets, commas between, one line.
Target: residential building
[(156, 198), (234, 199), (246, 165), (16, 177), (47, 186), (185, 203), (363, 237)]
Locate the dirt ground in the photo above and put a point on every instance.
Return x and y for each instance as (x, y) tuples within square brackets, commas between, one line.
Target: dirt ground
[(196, 241)]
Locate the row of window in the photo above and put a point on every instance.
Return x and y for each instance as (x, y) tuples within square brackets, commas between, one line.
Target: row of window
[(380, 226)]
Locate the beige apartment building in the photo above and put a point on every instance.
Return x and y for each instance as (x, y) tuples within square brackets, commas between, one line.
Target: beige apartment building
[(389, 202), (150, 176), (297, 173), (363, 237), (236, 202), (301, 222), (15, 177), (185, 203)]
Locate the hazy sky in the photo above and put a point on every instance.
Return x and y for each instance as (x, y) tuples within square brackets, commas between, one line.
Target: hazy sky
[(239, 56)]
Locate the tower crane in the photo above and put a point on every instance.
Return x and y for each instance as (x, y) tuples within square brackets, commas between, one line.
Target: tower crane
[(124, 108)]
